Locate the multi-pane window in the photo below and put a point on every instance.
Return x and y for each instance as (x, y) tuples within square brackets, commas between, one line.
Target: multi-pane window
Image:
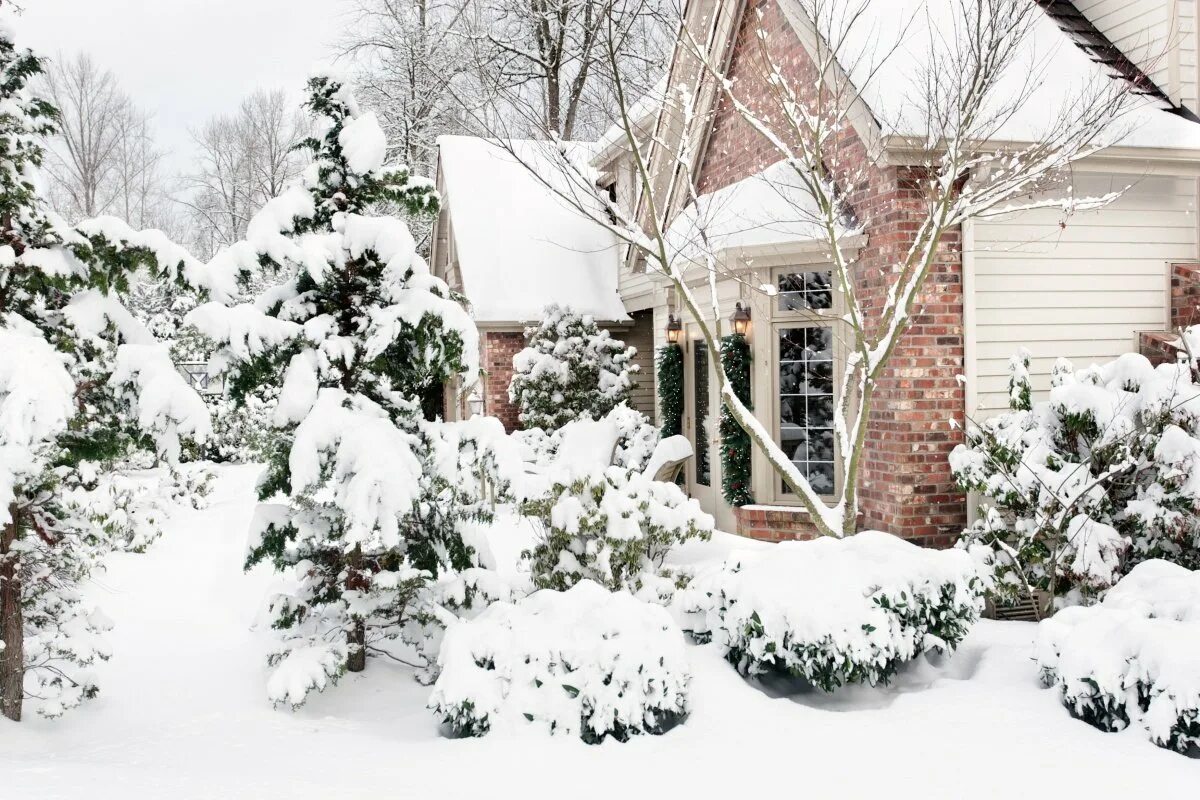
[(806, 402), (700, 419), (805, 291)]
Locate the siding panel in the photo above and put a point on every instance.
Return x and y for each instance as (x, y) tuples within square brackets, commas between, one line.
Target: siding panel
[(1082, 291)]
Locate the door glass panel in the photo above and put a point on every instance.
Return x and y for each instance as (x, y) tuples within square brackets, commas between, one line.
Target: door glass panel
[(700, 419), (806, 402)]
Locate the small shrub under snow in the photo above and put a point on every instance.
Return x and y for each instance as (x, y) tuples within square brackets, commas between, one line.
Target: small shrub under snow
[(585, 662), (835, 611), (613, 526), (243, 432), (1134, 658), (569, 368), (1103, 474)]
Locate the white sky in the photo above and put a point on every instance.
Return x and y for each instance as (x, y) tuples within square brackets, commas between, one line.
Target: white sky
[(186, 60)]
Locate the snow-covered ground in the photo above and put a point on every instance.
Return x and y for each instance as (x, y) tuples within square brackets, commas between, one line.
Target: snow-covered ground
[(182, 714)]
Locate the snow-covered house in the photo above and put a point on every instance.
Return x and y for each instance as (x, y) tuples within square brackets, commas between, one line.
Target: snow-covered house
[(1090, 291), (512, 247)]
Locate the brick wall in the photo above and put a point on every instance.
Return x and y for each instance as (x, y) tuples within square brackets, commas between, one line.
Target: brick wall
[(905, 486), (498, 351), (1159, 346), (1185, 295), (774, 523)]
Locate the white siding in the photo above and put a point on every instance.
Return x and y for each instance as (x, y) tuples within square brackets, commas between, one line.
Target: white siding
[(1083, 291), (1142, 29)]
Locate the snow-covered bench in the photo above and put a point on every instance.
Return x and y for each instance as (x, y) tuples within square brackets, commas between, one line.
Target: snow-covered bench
[(668, 458)]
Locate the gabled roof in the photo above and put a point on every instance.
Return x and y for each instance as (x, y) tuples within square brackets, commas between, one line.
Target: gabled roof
[(1048, 52), (1077, 24), (521, 247), (770, 209), (900, 31)]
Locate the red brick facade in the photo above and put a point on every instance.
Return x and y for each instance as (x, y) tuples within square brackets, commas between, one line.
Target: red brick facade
[(905, 486), (1185, 295), (498, 351), (1162, 346), (774, 523)]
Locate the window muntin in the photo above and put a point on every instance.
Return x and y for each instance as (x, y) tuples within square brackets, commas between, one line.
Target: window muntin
[(805, 291), (806, 402)]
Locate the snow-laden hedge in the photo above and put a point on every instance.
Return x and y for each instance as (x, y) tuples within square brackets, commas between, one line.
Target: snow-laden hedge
[(1103, 474), (835, 611), (570, 368), (585, 662), (1134, 658), (613, 526)]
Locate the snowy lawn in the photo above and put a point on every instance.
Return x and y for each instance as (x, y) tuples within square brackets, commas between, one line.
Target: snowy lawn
[(182, 714)]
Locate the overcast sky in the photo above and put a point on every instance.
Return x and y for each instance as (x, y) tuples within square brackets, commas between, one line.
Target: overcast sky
[(185, 60)]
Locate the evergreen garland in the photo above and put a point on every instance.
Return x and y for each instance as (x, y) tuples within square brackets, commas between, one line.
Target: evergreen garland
[(670, 389), (735, 442)]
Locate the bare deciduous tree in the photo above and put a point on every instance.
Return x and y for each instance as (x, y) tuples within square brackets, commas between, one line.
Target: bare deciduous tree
[(975, 79), (242, 160), (105, 159), (415, 70), (550, 56)]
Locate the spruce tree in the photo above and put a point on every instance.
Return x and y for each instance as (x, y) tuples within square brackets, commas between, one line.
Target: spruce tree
[(81, 385), (356, 331)]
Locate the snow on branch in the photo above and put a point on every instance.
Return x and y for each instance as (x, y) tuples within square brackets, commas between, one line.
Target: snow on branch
[(349, 452), (165, 404)]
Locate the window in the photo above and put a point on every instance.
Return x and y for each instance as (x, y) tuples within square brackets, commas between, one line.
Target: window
[(805, 410), (610, 190), (805, 291), (700, 419)]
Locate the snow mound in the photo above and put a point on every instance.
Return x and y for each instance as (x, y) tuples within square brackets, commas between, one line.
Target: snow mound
[(584, 662), (1135, 657), (834, 611)]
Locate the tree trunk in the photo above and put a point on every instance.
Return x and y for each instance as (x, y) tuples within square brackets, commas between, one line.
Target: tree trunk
[(356, 661), (12, 628)]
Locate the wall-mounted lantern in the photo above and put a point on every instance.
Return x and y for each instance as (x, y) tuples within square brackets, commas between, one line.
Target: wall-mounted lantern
[(674, 328), (740, 320)]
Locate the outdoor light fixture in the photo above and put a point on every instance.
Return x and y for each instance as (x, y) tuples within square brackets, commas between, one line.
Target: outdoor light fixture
[(740, 320), (674, 328)]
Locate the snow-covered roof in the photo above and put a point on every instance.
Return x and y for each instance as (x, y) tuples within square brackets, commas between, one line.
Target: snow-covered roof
[(520, 246), (1062, 74), (641, 114), (768, 208)]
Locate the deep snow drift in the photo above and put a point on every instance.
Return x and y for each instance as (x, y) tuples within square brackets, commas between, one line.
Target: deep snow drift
[(183, 714)]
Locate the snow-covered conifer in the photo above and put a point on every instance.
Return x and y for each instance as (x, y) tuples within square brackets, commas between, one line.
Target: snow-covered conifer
[(81, 383), (356, 332), (570, 368)]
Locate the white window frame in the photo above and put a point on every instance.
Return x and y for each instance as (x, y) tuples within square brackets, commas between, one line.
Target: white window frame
[(782, 319)]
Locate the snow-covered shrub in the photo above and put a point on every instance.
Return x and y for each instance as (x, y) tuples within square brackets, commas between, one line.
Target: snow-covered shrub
[(584, 662), (835, 611), (613, 526), (1134, 657), (570, 368), (636, 437), (1082, 486), (243, 432), (129, 509)]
